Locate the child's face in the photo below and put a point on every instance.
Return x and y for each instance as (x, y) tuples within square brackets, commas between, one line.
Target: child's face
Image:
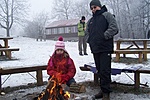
[(59, 51)]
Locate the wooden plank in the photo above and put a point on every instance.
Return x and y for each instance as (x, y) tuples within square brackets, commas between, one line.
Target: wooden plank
[(3, 38), (144, 70), (131, 51), (9, 49), (141, 52), (130, 40), (22, 69), (135, 44)]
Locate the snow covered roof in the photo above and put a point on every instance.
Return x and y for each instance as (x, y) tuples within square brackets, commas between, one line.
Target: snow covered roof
[(62, 23)]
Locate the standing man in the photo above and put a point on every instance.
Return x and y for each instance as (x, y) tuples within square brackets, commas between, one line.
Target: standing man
[(81, 34), (100, 30)]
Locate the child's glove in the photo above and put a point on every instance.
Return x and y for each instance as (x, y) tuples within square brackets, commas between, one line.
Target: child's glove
[(64, 78)]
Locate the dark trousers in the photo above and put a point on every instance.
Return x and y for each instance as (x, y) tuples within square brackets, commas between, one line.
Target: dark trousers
[(103, 65), (82, 43)]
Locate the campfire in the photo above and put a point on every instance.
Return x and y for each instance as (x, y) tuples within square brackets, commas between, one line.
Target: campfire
[(54, 91)]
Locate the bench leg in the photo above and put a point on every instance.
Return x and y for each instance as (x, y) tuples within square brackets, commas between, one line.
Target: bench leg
[(124, 55), (137, 79), (8, 54), (140, 57), (117, 57), (95, 78), (1, 53), (145, 56), (39, 77)]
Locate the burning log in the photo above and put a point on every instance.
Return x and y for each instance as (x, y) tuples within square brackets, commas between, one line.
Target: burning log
[(54, 91)]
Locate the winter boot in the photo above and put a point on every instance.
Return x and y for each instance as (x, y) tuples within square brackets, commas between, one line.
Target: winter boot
[(85, 54), (99, 95), (106, 96), (80, 53)]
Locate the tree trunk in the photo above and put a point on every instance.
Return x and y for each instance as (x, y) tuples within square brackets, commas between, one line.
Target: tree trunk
[(8, 35)]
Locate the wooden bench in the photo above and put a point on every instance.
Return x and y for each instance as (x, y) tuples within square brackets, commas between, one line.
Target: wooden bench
[(140, 52), (137, 70), (8, 51), (21, 69)]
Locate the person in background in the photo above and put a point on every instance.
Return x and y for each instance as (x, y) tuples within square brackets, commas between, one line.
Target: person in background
[(81, 34), (100, 31), (61, 65)]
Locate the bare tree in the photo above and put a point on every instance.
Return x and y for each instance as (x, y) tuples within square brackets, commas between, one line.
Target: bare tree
[(62, 9), (36, 27), (133, 16), (11, 11), (145, 18), (116, 10), (82, 8)]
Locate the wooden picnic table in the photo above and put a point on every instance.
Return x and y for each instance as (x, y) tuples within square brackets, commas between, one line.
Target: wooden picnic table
[(133, 42), (6, 48), (5, 39)]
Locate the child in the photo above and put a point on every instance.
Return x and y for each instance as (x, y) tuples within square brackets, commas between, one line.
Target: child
[(60, 65)]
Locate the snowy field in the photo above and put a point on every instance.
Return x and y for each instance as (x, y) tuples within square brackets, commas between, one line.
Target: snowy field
[(34, 52)]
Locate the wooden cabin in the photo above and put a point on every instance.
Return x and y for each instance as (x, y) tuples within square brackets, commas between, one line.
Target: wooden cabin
[(66, 28)]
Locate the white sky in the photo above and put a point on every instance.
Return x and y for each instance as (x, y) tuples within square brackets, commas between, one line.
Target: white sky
[(38, 6)]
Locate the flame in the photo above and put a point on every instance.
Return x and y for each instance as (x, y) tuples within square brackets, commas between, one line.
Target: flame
[(67, 94), (55, 89), (52, 89)]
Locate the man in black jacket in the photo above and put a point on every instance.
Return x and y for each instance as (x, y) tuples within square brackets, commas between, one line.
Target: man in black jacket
[(100, 31)]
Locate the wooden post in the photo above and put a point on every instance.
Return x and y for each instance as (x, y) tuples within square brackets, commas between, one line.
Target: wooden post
[(117, 57), (137, 79), (6, 43), (118, 45), (39, 77), (145, 48), (9, 54), (140, 57)]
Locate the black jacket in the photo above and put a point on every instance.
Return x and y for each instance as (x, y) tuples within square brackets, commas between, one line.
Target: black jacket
[(100, 30)]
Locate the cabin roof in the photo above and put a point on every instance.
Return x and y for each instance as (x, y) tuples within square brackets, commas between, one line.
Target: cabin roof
[(62, 23)]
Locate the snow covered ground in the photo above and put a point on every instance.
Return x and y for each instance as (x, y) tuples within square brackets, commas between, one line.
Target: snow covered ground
[(34, 52)]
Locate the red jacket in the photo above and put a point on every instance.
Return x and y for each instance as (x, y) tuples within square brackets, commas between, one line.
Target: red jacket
[(63, 65)]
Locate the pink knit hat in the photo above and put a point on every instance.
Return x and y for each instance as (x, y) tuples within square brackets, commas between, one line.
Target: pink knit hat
[(60, 44)]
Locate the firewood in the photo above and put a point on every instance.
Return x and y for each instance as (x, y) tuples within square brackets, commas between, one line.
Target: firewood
[(53, 91), (77, 88)]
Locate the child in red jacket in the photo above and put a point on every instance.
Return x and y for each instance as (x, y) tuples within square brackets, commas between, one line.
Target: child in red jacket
[(60, 64)]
